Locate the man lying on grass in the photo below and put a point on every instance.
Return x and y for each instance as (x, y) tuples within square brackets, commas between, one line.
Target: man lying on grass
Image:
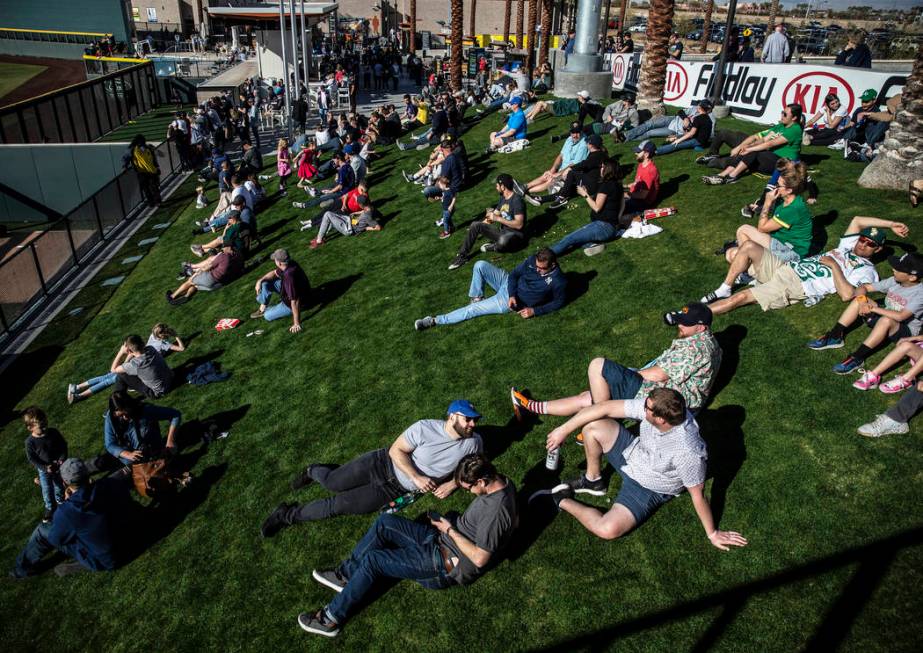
[(840, 270), (421, 459), (535, 287), (451, 550), (666, 457)]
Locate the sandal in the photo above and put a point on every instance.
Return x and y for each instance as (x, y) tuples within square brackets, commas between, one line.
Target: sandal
[(915, 194)]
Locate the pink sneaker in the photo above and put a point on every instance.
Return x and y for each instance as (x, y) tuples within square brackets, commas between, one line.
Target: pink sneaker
[(868, 381), (895, 385)]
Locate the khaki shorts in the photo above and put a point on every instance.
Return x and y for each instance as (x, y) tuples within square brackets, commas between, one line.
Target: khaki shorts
[(779, 285)]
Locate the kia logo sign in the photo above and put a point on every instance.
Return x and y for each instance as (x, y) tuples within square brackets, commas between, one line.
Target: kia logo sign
[(677, 82), (809, 91), (618, 70)]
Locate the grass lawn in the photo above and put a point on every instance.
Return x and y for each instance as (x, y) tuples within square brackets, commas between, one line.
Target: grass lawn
[(834, 560), (152, 124), (13, 75)]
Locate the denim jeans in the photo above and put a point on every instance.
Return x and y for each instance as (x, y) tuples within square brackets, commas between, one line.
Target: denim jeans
[(393, 547), (423, 139), (657, 126), (874, 132), (36, 548), (52, 487), (98, 383), (668, 148), (596, 231), (276, 311), (496, 305), (432, 192), (323, 197)]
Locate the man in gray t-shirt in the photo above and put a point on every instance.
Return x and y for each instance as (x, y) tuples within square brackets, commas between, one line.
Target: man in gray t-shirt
[(445, 552), (141, 368), (422, 459), (667, 457)]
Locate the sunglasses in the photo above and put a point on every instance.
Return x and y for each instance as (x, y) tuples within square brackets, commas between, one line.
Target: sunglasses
[(868, 242)]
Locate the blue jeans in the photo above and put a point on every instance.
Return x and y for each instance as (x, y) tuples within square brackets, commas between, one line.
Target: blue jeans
[(98, 383), (276, 311), (447, 224), (688, 144), (52, 487), (657, 126), (36, 548), (323, 197), (393, 547), (432, 192), (874, 132), (496, 305), (596, 231)]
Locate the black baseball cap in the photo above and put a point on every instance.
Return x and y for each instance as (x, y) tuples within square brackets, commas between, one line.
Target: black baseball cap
[(575, 128), (908, 263), (595, 140), (689, 315)]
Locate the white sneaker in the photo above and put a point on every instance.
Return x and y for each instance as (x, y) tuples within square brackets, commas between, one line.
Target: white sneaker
[(882, 425), (839, 145), (593, 250)]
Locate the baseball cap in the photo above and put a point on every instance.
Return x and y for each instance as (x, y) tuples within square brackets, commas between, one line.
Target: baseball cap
[(464, 407), (689, 315), (349, 149), (234, 214), (280, 255), (868, 94), (875, 234), (516, 100), (595, 140), (910, 263), (584, 94), (74, 471), (647, 146), (706, 104), (575, 128)]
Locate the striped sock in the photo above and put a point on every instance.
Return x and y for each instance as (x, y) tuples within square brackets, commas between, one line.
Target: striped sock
[(537, 407)]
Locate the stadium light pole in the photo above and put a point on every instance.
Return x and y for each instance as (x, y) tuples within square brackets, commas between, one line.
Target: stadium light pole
[(288, 87), (304, 57), (294, 25)]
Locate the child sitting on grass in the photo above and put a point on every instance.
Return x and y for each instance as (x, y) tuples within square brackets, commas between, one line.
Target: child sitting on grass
[(912, 348), (900, 317), (448, 207), (45, 450)]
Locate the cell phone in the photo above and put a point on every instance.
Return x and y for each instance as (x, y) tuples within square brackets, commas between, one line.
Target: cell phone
[(433, 515)]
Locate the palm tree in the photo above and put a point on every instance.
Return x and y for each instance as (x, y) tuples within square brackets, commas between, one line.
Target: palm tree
[(706, 26), (455, 66), (773, 12), (507, 14), (654, 63), (546, 31), (622, 11), (413, 27), (519, 12), (900, 156), (530, 35)]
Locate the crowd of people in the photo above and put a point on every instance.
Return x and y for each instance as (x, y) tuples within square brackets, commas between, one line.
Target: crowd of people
[(772, 262)]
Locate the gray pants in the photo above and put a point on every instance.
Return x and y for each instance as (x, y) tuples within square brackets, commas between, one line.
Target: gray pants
[(910, 404), (338, 221)]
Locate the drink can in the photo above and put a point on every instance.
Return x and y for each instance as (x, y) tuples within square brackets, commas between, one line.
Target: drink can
[(552, 460)]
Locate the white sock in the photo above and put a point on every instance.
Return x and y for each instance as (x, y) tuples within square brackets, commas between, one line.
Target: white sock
[(723, 290)]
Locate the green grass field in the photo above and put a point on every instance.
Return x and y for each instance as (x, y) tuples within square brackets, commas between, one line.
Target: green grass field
[(833, 519), (14, 75), (152, 124)]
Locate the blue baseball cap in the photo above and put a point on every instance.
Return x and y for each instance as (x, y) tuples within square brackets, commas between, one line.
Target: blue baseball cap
[(349, 149), (464, 407), (516, 100)]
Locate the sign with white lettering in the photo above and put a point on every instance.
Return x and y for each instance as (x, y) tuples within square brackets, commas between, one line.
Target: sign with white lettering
[(758, 92)]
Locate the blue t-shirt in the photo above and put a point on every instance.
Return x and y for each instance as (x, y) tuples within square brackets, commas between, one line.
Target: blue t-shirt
[(517, 121), (346, 178)]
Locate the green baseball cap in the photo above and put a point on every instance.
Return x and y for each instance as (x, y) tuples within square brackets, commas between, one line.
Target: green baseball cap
[(875, 234), (868, 94)]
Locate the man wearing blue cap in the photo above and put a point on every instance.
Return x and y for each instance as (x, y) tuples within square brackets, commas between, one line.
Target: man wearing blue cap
[(514, 130), (422, 459)]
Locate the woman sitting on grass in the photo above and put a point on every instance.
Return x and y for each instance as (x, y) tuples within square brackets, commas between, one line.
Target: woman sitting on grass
[(163, 338)]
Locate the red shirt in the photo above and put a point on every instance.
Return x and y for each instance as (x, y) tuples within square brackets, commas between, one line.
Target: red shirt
[(352, 206), (647, 176)]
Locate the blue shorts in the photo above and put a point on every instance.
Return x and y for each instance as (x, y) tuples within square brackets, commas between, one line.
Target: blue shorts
[(641, 502), (623, 382)]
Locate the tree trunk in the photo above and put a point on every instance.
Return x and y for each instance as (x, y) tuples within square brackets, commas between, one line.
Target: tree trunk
[(474, 10), (412, 47), (621, 27), (546, 31), (507, 14), (773, 12), (530, 36), (654, 63), (519, 12), (900, 155), (458, 27), (706, 26)]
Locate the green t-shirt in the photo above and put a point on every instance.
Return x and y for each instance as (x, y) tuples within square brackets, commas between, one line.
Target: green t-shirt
[(233, 237), (792, 149), (797, 225)]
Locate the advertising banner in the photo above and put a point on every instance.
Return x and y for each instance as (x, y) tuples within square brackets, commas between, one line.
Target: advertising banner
[(758, 92)]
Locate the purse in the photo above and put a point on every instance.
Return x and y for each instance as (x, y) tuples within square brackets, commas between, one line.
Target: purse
[(151, 479)]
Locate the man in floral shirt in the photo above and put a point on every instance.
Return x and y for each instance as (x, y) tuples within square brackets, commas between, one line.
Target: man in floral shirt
[(689, 366)]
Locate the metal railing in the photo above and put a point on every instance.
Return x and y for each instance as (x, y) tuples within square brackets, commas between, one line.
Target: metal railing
[(51, 36), (34, 265), (84, 112)]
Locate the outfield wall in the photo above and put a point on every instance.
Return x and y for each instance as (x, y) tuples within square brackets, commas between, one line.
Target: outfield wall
[(110, 16)]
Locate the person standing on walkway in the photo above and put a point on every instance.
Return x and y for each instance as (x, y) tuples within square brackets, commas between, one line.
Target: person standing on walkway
[(140, 156)]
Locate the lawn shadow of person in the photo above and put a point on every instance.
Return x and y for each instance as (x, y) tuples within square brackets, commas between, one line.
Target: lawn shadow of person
[(578, 283), (671, 186), (729, 340), (819, 230), (722, 430), (328, 292)]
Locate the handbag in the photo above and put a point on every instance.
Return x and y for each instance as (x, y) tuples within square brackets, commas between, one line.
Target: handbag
[(151, 478)]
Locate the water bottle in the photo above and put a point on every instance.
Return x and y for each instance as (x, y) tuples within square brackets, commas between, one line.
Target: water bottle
[(400, 503), (552, 460)]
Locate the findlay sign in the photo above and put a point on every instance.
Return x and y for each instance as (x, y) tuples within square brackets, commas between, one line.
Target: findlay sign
[(758, 92)]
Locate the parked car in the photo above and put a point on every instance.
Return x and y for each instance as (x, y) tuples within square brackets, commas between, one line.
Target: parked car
[(638, 28)]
